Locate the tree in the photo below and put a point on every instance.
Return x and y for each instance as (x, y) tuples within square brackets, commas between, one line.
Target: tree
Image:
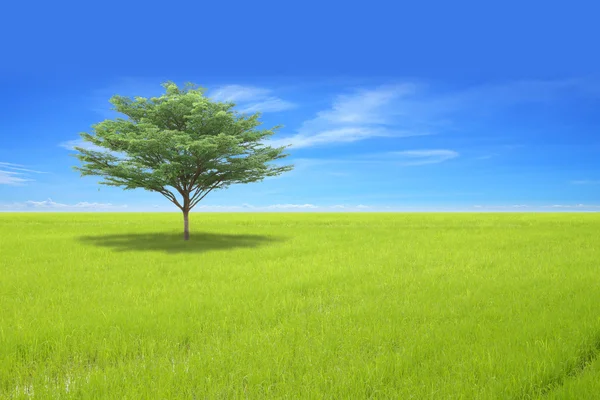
[(180, 140)]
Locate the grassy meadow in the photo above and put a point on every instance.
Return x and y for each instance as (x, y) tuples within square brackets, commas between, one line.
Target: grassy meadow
[(311, 306)]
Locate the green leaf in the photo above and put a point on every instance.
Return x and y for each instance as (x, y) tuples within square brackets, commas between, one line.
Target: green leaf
[(181, 140)]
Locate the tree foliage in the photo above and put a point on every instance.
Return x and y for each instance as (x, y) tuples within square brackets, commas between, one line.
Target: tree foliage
[(182, 145)]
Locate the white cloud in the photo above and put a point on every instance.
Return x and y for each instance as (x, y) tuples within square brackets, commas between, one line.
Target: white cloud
[(412, 109), (365, 106), (339, 135), (586, 182), (288, 206), (284, 208), (532, 208), (7, 164), (71, 144), (303, 164), (15, 174), (350, 207), (423, 157), (19, 167), (250, 206), (272, 104), (251, 99), (50, 205), (573, 206), (353, 117), (402, 158), (238, 93), (516, 92), (11, 178), (488, 98), (405, 158), (503, 206)]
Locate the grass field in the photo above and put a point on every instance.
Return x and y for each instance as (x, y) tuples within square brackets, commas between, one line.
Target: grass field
[(315, 306)]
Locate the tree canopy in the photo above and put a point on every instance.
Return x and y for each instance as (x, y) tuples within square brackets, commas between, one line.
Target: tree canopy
[(182, 145)]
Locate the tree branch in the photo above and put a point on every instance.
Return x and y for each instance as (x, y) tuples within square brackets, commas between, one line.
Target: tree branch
[(171, 197), (195, 177), (194, 201)]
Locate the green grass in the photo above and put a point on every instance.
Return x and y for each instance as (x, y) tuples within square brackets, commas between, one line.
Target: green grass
[(344, 306)]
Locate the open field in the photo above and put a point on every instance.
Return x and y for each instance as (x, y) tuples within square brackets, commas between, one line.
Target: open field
[(348, 306)]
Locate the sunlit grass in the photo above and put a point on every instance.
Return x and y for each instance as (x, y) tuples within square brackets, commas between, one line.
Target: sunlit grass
[(491, 306)]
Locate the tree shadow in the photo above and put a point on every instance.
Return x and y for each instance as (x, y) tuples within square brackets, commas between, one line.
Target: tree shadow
[(174, 243)]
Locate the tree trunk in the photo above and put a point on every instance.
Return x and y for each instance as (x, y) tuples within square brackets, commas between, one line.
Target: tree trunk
[(186, 225)]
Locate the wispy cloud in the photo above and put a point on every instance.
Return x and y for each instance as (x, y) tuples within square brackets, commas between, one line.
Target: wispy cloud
[(19, 167), (409, 109), (353, 117), (16, 174), (407, 158), (489, 98), (269, 105), (12, 178), (306, 207), (365, 106), (573, 206), (71, 144), (518, 92), (397, 158), (291, 206), (503, 206), (586, 182), (533, 208), (347, 134), (251, 99), (50, 205), (303, 164), (247, 206), (423, 157), (238, 93)]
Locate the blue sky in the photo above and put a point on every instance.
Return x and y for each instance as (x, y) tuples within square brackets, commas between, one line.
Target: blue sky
[(449, 106)]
